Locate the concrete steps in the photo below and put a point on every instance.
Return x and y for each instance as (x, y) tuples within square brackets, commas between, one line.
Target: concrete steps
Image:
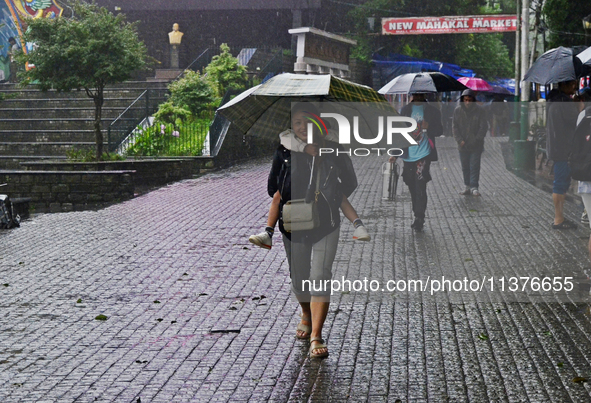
[(48, 124), (45, 149), (37, 136)]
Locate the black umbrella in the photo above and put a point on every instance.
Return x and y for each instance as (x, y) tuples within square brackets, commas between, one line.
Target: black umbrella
[(422, 83), (554, 66)]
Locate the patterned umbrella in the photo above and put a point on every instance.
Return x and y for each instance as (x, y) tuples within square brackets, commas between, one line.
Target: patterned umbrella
[(475, 83), (265, 110), (428, 82)]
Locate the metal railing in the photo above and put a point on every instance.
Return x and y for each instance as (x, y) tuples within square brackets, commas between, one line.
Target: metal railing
[(273, 66), (185, 139), (142, 107)]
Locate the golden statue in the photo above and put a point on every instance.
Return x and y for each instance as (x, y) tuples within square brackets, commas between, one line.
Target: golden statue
[(175, 36)]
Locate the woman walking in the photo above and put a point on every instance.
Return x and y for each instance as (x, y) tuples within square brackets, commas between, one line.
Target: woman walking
[(311, 253)]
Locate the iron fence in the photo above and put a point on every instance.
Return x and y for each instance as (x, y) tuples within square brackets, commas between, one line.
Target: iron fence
[(135, 114)]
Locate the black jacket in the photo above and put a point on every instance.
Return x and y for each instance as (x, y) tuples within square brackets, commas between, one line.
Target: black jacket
[(433, 117), (561, 121), (290, 175), (470, 125)]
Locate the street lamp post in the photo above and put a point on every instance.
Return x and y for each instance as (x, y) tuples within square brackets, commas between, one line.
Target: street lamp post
[(587, 26)]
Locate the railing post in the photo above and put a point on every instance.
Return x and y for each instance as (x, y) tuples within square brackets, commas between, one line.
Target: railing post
[(147, 103), (109, 138)]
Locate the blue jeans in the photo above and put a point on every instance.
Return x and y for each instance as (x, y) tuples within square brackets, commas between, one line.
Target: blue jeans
[(471, 168), (561, 177)]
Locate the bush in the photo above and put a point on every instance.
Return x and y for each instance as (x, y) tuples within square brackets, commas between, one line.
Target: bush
[(184, 139), (89, 155), (225, 73), (192, 93)]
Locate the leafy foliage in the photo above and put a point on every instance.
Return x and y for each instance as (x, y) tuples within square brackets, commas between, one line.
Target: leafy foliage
[(472, 56), (88, 155), (170, 113), (89, 51), (564, 19), (225, 73), (183, 139), (192, 93)]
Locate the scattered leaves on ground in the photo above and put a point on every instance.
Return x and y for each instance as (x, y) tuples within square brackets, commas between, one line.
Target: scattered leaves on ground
[(579, 379), (156, 301), (79, 301), (483, 336), (101, 317)]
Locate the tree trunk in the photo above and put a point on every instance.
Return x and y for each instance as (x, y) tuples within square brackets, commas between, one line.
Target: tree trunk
[(98, 109)]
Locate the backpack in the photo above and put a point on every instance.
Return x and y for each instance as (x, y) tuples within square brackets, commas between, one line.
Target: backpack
[(8, 219), (580, 157)]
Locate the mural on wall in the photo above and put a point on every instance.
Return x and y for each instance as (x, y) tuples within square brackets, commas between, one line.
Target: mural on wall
[(13, 17)]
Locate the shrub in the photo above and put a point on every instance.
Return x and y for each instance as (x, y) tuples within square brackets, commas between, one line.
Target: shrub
[(192, 93)]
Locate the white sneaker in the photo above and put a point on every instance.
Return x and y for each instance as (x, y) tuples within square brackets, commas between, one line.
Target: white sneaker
[(263, 240), (361, 234)]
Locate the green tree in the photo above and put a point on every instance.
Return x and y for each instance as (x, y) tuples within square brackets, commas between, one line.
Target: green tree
[(564, 19), (486, 54), (192, 92), (225, 73), (89, 51)]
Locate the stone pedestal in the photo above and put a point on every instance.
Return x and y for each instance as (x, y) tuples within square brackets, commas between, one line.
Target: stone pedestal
[(174, 56)]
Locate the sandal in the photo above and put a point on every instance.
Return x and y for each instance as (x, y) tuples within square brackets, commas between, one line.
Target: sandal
[(566, 224), (307, 329), (317, 346)]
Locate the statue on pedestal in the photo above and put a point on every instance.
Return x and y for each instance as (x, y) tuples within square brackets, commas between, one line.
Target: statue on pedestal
[(174, 38)]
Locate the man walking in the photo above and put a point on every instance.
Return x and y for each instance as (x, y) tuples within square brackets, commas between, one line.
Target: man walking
[(560, 127), (469, 129)]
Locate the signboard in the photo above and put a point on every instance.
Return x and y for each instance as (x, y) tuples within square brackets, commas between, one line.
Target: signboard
[(449, 25)]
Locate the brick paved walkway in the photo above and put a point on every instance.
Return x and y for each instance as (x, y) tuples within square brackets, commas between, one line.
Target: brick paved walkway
[(196, 314)]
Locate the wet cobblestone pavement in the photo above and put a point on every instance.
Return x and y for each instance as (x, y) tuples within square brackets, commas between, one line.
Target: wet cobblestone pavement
[(195, 313)]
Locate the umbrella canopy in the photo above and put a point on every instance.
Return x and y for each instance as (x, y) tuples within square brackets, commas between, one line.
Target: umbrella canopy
[(497, 89), (475, 83), (265, 110), (427, 82), (554, 66), (585, 57)]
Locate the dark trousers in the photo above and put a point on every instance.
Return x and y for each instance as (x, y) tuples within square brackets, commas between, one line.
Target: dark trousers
[(471, 168), (416, 175)]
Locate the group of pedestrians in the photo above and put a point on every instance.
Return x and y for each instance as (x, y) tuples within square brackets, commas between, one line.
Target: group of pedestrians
[(299, 173)]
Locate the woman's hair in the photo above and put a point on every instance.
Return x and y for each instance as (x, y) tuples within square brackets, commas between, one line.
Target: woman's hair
[(310, 108), (304, 107)]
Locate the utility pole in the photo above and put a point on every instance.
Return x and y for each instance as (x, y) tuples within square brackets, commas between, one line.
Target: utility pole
[(524, 47), (523, 150), (517, 43)]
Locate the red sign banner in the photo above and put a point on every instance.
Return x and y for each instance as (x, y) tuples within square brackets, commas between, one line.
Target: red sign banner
[(449, 25)]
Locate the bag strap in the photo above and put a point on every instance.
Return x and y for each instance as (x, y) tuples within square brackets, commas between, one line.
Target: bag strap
[(317, 192)]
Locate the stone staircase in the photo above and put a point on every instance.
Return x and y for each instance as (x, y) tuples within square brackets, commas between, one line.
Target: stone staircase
[(45, 125)]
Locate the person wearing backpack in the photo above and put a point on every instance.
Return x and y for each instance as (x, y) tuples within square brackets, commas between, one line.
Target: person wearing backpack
[(417, 159), (311, 253)]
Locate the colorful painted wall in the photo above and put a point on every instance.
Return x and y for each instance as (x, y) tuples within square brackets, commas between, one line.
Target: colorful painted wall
[(13, 17)]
